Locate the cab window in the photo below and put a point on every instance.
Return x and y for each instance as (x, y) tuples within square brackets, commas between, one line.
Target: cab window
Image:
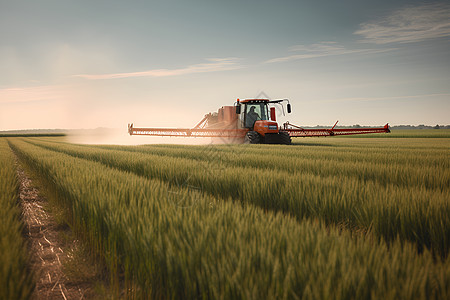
[(255, 112)]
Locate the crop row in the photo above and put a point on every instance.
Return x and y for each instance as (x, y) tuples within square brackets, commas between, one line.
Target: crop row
[(410, 133), (428, 167), (219, 249), (16, 281), (413, 213), (385, 152), (430, 173)]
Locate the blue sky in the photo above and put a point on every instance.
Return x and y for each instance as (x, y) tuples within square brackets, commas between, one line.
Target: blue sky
[(87, 64)]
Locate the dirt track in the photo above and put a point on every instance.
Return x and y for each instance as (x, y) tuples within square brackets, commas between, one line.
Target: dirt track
[(48, 251)]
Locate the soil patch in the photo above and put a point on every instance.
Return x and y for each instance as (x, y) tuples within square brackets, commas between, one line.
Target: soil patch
[(52, 249)]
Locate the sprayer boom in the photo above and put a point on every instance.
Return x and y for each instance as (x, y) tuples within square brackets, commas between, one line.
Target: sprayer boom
[(251, 121)]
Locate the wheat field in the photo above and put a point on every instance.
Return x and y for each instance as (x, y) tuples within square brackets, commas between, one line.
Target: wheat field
[(337, 218)]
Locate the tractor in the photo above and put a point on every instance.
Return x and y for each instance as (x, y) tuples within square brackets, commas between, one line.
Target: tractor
[(251, 121)]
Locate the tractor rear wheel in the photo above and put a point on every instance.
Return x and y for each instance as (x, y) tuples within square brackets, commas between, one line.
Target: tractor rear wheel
[(252, 137)]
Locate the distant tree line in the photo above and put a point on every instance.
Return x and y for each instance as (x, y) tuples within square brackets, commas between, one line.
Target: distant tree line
[(30, 134), (421, 126)]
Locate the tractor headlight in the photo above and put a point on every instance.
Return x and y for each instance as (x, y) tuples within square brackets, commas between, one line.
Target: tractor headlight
[(273, 127)]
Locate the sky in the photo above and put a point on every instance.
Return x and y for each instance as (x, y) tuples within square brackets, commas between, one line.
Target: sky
[(88, 64)]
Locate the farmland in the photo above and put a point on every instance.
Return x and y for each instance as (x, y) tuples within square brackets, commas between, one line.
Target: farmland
[(15, 280), (340, 218)]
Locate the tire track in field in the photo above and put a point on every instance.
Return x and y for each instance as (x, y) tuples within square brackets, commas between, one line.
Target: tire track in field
[(47, 249)]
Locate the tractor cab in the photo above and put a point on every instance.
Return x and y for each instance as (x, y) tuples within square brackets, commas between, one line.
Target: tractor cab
[(254, 110), (260, 119)]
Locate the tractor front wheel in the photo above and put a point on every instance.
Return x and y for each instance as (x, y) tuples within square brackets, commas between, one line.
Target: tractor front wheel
[(252, 137), (285, 139), (280, 138)]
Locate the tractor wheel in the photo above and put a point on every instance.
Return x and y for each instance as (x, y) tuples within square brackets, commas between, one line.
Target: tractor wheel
[(284, 138), (252, 137)]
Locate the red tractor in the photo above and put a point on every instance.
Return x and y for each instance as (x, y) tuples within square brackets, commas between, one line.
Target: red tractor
[(259, 119), (251, 121)]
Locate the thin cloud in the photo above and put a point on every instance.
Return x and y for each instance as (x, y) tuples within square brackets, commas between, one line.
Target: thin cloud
[(359, 99), (214, 65), (409, 24), (31, 94), (321, 50)]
